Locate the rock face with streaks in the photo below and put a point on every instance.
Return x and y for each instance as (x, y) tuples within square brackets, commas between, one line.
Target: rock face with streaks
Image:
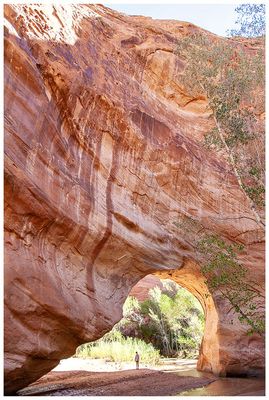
[(142, 288), (103, 161)]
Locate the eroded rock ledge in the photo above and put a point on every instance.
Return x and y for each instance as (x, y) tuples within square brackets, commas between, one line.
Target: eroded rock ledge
[(103, 156)]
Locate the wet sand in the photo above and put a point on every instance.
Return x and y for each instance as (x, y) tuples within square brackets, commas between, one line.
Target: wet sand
[(75, 377), (142, 382)]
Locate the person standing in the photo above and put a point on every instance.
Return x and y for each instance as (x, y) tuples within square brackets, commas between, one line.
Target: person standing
[(137, 360)]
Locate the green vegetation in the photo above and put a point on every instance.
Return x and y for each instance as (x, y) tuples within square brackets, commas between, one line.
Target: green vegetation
[(225, 274), (251, 20), (169, 323), (171, 319), (114, 347), (232, 80)]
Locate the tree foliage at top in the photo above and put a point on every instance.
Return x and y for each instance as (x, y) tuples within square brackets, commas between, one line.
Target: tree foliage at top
[(251, 21), (232, 80), (231, 77)]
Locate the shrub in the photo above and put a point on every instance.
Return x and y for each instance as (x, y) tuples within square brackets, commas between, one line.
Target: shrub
[(120, 349)]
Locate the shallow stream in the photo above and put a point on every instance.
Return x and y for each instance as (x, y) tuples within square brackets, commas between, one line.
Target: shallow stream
[(221, 387), (226, 386)]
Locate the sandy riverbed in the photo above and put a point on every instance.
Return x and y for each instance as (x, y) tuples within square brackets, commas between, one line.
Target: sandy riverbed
[(86, 377), (78, 377)]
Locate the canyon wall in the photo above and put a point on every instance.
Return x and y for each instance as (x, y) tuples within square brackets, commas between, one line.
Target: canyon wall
[(141, 290), (104, 159)]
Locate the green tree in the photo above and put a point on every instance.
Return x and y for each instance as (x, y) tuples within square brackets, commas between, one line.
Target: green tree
[(251, 20), (172, 319), (232, 81), (227, 276)]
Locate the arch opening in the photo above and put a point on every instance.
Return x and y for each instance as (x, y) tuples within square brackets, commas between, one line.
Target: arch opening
[(162, 320)]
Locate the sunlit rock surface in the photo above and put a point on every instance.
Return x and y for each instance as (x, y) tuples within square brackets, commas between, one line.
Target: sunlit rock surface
[(103, 164)]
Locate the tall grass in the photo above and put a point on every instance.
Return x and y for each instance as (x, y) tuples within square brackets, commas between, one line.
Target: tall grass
[(119, 350)]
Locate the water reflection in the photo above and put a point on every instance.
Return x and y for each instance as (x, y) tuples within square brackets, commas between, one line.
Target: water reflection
[(230, 387), (222, 386)]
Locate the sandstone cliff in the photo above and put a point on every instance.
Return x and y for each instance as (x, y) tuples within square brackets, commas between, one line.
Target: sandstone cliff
[(142, 288), (103, 156)]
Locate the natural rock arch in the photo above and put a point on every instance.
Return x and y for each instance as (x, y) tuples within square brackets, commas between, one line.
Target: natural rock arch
[(103, 155), (190, 278)]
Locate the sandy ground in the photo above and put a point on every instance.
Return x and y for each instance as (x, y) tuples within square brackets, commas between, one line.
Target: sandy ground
[(122, 383), (79, 377), (100, 365), (75, 377)]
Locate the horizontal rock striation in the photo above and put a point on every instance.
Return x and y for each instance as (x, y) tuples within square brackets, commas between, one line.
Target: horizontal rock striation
[(103, 161)]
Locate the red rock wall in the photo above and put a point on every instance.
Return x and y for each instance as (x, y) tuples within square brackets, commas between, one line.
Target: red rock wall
[(103, 156), (142, 288)]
